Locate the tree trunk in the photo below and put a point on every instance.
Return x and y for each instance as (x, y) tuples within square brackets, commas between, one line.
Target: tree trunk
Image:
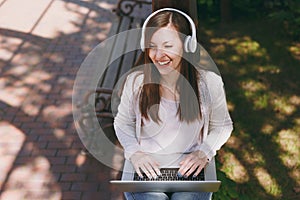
[(225, 8), (187, 6)]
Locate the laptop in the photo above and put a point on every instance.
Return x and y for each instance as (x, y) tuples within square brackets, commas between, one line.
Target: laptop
[(206, 181)]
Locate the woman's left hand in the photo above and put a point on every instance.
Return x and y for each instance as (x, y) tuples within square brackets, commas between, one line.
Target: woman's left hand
[(192, 163)]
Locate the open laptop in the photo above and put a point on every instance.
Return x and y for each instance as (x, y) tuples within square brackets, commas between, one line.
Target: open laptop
[(205, 182)]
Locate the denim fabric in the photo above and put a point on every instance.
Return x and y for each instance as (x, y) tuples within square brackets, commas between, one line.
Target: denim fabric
[(169, 196)]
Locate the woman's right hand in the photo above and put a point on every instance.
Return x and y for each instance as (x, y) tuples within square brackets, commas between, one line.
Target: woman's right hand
[(143, 162)]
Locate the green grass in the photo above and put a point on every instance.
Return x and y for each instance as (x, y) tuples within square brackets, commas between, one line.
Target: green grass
[(260, 66)]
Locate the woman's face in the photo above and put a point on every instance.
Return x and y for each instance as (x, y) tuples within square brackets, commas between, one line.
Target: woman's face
[(166, 50)]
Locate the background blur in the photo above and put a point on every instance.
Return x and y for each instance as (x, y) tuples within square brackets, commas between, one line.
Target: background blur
[(42, 44), (257, 49)]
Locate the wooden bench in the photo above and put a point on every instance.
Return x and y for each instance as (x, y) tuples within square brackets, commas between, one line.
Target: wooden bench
[(131, 15)]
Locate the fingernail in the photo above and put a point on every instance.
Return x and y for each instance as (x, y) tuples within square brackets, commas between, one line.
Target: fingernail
[(185, 176), (179, 174), (194, 176)]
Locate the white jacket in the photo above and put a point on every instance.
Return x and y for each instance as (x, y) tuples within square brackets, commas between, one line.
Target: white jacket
[(217, 122)]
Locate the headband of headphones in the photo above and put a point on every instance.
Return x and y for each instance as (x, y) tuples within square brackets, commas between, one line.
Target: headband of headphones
[(190, 42)]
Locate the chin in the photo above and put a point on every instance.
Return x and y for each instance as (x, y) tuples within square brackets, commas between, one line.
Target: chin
[(165, 70)]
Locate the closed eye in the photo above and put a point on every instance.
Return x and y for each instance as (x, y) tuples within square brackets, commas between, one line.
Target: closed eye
[(152, 46)]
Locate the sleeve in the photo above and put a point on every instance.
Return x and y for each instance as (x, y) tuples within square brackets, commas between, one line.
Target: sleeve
[(125, 120), (220, 124)]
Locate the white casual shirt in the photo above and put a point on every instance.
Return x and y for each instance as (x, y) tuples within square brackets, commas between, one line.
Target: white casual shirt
[(172, 135)]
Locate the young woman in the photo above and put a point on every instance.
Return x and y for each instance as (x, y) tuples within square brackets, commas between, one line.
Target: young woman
[(171, 106)]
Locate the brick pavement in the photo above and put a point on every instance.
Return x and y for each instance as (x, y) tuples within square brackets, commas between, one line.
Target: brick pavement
[(42, 46)]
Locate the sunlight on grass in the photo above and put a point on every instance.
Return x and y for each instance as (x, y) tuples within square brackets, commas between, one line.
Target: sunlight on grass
[(267, 129), (234, 142), (267, 182), (253, 157), (249, 47), (295, 174), (243, 46), (234, 169), (261, 102), (255, 91), (230, 106), (253, 86), (295, 100), (284, 105), (288, 140), (272, 69), (235, 58), (295, 50), (261, 79)]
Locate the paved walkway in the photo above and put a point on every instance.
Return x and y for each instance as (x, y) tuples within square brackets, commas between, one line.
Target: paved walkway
[(43, 44)]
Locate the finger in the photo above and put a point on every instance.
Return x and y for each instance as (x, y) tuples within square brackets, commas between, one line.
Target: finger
[(190, 165), (183, 164), (185, 167), (155, 166), (150, 170), (200, 165), (191, 169), (138, 171), (144, 169), (197, 172), (157, 170)]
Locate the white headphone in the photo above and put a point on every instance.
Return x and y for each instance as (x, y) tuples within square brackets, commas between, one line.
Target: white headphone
[(190, 42)]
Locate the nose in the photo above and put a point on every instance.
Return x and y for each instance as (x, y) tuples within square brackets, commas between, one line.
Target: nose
[(159, 53)]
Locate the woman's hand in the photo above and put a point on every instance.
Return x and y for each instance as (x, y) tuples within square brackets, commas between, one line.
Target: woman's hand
[(142, 162), (193, 162)]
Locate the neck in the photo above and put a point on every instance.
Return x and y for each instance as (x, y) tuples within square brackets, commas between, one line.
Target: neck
[(168, 86), (170, 80)]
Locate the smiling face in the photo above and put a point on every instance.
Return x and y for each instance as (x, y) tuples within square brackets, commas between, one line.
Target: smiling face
[(166, 49)]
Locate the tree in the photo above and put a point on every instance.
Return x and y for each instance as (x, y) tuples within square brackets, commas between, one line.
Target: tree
[(187, 6), (225, 10)]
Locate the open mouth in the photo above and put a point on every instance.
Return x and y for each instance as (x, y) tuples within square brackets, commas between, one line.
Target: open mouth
[(161, 63)]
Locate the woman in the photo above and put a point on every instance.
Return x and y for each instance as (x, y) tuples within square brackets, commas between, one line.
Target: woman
[(170, 106)]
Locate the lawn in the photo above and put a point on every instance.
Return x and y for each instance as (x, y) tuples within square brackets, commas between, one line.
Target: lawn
[(260, 65)]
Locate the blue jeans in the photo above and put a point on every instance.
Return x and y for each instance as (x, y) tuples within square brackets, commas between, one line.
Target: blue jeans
[(168, 196)]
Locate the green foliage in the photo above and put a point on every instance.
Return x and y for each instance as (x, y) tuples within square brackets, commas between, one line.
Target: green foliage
[(288, 13), (260, 71), (209, 10), (285, 11), (227, 190)]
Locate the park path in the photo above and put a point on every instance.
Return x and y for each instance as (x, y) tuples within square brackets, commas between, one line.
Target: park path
[(42, 44)]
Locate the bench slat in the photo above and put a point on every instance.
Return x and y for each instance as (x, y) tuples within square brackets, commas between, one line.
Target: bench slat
[(133, 43), (118, 50)]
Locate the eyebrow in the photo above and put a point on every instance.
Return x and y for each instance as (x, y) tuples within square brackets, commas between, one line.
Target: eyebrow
[(163, 42)]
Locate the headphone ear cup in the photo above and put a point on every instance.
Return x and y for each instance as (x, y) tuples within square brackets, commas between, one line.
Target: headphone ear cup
[(187, 42), (193, 45)]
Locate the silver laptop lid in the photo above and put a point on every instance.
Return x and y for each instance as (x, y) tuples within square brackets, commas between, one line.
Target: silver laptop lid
[(211, 184)]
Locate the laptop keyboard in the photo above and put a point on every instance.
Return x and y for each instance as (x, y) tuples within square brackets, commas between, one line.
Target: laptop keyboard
[(170, 174)]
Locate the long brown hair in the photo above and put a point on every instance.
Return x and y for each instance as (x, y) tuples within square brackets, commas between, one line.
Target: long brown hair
[(150, 96)]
